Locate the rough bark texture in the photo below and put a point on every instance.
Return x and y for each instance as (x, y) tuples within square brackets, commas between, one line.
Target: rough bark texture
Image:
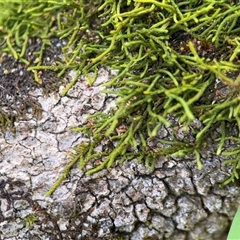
[(130, 201)]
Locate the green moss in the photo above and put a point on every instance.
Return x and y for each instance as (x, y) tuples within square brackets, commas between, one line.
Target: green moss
[(168, 55), (30, 219), (6, 122)]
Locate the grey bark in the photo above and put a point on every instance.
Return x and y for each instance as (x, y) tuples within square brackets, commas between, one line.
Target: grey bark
[(128, 201)]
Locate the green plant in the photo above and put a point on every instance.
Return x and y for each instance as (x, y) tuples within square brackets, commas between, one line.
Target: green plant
[(30, 219), (174, 59), (234, 232)]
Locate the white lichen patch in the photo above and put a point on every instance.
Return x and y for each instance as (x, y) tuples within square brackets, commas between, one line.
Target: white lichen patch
[(36, 154)]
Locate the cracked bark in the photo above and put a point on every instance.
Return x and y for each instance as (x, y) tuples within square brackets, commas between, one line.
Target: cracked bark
[(174, 201)]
